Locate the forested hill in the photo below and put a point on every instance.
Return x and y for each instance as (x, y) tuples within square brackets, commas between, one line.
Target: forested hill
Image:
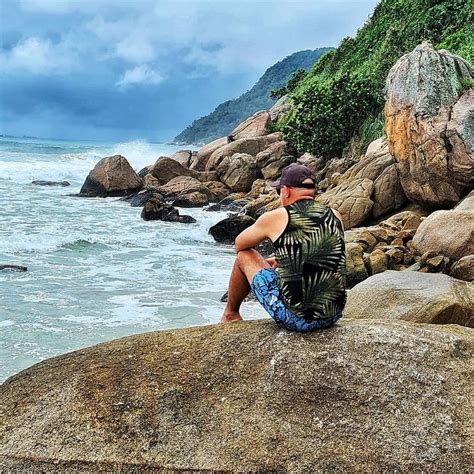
[(229, 114), (339, 102)]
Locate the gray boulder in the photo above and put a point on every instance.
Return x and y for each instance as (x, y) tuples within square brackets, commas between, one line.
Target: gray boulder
[(449, 233), (363, 396), (111, 176), (199, 162), (239, 172), (413, 296), (272, 160), (255, 126)]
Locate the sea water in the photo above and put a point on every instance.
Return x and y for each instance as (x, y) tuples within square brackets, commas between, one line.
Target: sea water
[(96, 270)]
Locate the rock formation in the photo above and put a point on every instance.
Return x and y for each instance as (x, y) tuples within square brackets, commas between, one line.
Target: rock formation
[(155, 209), (429, 125), (257, 125), (449, 233), (111, 176), (364, 396), (413, 296)]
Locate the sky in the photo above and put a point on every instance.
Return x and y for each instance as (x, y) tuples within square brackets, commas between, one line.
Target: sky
[(116, 70)]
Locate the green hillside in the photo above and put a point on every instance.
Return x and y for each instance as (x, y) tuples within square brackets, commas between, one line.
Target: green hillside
[(342, 96), (229, 114)]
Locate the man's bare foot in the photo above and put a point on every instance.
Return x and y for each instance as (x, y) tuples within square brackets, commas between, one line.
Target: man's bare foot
[(230, 318)]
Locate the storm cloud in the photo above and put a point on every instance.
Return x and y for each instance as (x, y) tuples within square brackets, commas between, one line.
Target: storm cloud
[(116, 69)]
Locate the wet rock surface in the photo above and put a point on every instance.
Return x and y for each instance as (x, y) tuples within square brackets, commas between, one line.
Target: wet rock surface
[(111, 176)]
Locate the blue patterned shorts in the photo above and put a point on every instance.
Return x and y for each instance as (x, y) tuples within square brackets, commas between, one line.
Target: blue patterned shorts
[(266, 290)]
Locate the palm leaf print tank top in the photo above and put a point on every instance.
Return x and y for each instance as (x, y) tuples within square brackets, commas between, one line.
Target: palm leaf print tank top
[(311, 261)]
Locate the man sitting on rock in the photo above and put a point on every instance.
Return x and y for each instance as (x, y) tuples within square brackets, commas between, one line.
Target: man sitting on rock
[(302, 287)]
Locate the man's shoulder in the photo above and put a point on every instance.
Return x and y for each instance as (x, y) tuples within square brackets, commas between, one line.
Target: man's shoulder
[(270, 216)]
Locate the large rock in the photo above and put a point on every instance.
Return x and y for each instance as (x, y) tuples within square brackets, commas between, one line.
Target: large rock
[(314, 163), (351, 199), (379, 166), (255, 126), (226, 230), (183, 185), (250, 146), (429, 125), (155, 209), (280, 107), (111, 176), (183, 157), (199, 162), (355, 267), (449, 233), (364, 396), (412, 296), (463, 269), (272, 160), (165, 169), (239, 172)]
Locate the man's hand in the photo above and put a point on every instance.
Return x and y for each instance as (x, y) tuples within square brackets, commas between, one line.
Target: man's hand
[(272, 262)]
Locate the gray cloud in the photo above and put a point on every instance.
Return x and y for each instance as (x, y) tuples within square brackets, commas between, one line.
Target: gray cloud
[(162, 52)]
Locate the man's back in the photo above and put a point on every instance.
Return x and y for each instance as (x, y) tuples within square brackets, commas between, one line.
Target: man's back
[(310, 257)]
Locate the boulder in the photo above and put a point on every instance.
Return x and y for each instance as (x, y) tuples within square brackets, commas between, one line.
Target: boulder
[(428, 122), (377, 262), (463, 269), (239, 172), (379, 166), (314, 163), (51, 183), (351, 199), (139, 199), (193, 199), (279, 108), (144, 171), (150, 182), (262, 204), (450, 233), (155, 209), (257, 125), (165, 169), (228, 229), (405, 219), (250, 146), (363, 396), (467, 204), (431, 298), (111, 176), (183, 157), (217, 189), (272, 160), (355, 266), (182, 185), (13, 268), (199, 162), (361, 236)]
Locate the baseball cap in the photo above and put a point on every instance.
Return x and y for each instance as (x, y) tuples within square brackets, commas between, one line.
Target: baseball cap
[(294, 175)]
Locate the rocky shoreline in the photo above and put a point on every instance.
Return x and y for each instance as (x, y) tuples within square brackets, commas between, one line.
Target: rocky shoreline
[(389, 388)]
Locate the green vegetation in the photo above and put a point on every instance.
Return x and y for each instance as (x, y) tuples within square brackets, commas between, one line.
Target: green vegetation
[(291, 85), (229, 114), (340, 100)]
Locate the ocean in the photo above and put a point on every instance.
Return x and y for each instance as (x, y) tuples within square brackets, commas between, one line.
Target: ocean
[(96, 270)]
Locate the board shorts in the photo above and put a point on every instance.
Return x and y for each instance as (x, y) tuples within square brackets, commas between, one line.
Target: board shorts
[(265, 287)]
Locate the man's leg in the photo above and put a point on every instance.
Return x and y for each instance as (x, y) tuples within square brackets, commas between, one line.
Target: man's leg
[(246, 265)]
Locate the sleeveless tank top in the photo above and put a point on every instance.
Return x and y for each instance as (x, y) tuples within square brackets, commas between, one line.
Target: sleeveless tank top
[(311, 261)]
